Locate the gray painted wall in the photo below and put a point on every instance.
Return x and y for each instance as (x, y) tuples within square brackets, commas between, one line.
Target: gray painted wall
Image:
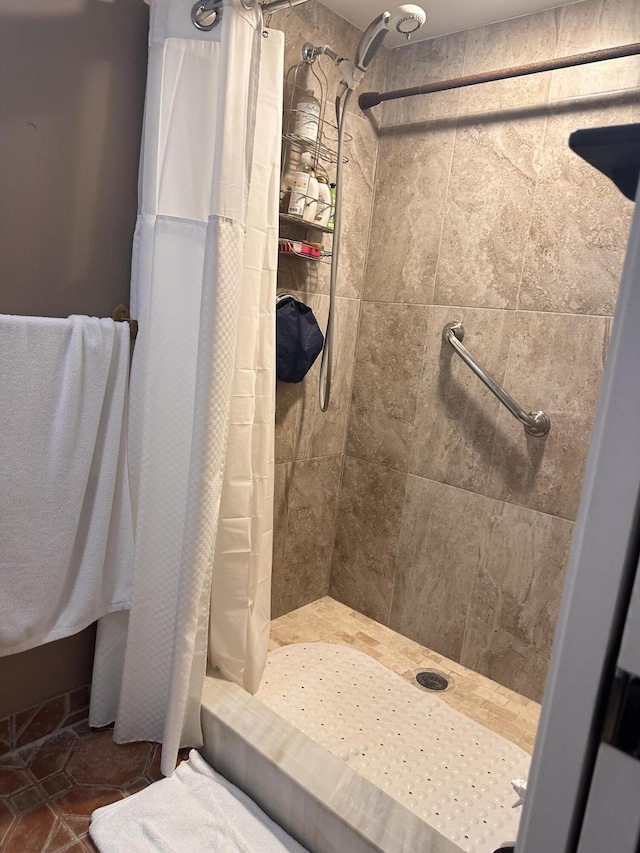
[(72, 79)]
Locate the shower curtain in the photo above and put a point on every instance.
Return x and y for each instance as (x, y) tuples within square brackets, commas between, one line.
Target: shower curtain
[(203, 377)]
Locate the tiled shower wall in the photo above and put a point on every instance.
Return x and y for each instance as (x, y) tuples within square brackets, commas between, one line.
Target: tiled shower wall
[(453, 527), (309, 444)]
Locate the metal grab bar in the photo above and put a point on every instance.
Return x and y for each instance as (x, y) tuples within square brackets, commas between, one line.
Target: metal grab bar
[(535, 423)]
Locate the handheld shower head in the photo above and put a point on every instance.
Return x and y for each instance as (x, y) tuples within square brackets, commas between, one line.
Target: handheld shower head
[(406, 20)]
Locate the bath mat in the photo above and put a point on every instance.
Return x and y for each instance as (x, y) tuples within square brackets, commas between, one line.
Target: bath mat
[(449, 770), (194, 811)]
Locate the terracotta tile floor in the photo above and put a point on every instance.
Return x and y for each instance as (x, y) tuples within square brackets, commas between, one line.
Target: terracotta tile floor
[(496, 707), (43, 719), (48, 789)]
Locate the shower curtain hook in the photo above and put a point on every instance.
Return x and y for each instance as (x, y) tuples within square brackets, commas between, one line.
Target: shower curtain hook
[(205, 15)]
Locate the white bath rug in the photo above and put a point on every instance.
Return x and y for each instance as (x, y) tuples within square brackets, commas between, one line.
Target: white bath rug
[(451, 771), (194, 811)]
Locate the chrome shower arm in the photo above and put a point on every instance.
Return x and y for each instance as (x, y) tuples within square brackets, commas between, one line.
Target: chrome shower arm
[(351, 75), (310, 52)]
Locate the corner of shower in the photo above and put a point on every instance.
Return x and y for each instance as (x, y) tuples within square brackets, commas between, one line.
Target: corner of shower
[(406, 20)]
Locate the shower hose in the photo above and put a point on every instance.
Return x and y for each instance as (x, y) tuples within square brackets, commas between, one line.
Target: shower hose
[(326, 365)]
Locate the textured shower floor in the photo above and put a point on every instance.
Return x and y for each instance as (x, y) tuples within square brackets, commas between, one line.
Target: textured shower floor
[(449, 770), (504, 712)]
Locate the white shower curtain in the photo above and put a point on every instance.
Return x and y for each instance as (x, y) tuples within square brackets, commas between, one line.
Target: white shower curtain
[(203, 291)]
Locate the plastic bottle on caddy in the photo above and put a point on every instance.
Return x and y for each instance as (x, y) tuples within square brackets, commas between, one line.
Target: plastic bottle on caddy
[(313, 191), (331, 223), (325, 203), (307, 117), (300, 186)]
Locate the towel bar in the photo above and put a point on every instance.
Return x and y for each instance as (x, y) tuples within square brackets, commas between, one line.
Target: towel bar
[(121, 315)]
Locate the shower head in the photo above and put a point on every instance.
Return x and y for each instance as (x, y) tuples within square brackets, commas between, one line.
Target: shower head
[(406, 20)]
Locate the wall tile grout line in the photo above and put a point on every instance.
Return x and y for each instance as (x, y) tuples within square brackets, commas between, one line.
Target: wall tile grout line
[(459, 488), (512, 310)]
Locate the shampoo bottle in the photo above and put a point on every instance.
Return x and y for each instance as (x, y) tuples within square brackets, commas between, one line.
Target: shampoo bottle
[(300, 186), (331, 224), (325, 203), (307, 117), (312, 198)]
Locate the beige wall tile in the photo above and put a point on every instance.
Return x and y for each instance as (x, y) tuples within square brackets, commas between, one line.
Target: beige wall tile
[(287, 412), (374, 81), (323, 433), (493, 176), (369, 591), (507, 44), (457, 415), (357, 199), (280, 513), (386, 375), (580, 221), (592, 25), (312, 499), (555, 364), (515, 600), (419, 63), (367, 531), (309, 23), (437, 558), (369, 517), (411, 190)]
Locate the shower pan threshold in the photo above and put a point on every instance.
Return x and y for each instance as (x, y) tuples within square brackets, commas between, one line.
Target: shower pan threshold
[(318, 799), (450, 771), (320, 794)]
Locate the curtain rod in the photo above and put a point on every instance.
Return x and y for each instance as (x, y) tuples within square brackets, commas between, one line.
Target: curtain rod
[(277, 5), (372, 99)]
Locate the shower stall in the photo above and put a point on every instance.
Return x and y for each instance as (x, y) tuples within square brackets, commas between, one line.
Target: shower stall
[(418, 498), (423, 516)]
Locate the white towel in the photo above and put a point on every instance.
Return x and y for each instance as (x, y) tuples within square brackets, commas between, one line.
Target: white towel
[(66, 536), (194, 811)]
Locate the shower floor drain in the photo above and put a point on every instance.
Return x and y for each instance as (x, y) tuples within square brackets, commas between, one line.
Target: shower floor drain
[(433, 680)]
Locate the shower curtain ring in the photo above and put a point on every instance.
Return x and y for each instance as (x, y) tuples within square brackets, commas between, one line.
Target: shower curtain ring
[(205, 15)]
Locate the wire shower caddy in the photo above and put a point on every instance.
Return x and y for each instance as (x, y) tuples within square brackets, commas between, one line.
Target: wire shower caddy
[(323, 150)]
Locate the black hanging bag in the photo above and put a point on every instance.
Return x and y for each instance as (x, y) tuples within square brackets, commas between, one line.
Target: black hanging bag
[(299, 340)]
